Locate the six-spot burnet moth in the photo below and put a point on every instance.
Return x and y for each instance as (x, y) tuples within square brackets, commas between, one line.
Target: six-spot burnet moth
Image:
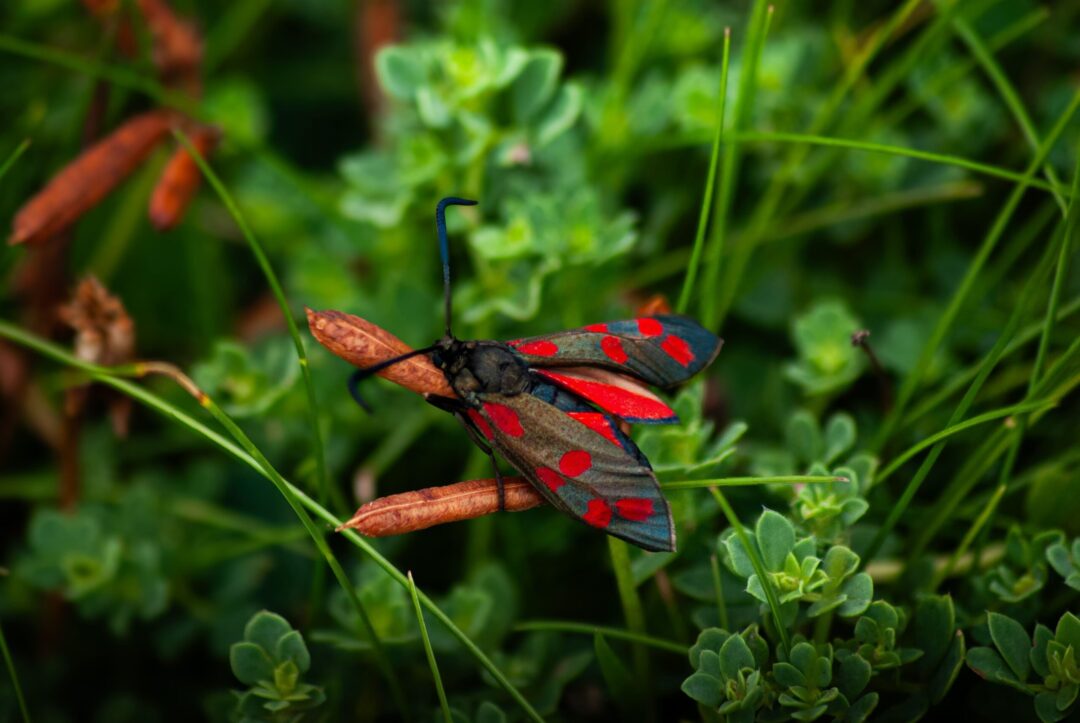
[(549, 405)]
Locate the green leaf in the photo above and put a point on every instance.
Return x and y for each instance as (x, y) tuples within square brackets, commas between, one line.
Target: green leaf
[(988, 664), (734, 656), (399, 71), (617, 676), (292, 647), (853, 676), (945, 674), (1046, 708), (933, 626), (839, 436), (738, 557), (534, 86), (861, 709), (250, 663), (803, 437), (560, 115), (776, 538), (488, 712), (708, 639), (265, 629), (788, 675), (286, 676), (1066, 696), (705, 689), (1012, 642), (1068, 631), (1043, 635), (860, 592)]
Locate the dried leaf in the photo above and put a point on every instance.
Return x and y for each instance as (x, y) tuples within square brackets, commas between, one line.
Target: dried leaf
[(363, 344), (104, 333), (420, 509), (84, 182), (180, 180)]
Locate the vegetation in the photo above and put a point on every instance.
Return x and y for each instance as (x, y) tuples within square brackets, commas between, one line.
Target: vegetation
[(874, 203)]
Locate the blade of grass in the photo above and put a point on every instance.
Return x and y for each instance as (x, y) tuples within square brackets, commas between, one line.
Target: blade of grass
[(710, 182), (107, 376), (759, 566), (14, 156), (617, 633), (949, 431), (969, 537), (718, 590), (960, 296), (10, 663), (1009, 96), (694, 484), (429, 652), (945, 159), (633, 610), (760, 16), (326, 490)]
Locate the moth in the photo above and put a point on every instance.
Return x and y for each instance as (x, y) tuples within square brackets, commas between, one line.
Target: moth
[(550, 406)]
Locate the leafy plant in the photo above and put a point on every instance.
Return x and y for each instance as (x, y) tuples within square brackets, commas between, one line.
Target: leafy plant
[(271, 660)]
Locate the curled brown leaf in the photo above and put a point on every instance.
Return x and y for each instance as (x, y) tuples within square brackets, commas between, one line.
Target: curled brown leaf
[(420, 509), (84, 182)]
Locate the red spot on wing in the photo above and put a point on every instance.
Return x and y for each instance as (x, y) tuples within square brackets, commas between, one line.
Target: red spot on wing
[(598, 514), (505, 418), (481, 423), (597, 422), (596, 327), (613, 348), (650, 327), (617, 394), (677, 348), (635, 509), (542, 347), (575, 462), (550, 478)]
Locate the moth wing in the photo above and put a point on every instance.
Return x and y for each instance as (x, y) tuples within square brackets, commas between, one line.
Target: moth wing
[(662, 350), (577, 468)]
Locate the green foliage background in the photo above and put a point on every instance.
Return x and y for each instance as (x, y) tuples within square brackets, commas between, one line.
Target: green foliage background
[(585, 131)]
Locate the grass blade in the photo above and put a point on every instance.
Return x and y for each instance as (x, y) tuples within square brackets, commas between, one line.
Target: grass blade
[(710, 181), (10, 663), (429, 652), (14, 156), (586, 629), (694, 484)]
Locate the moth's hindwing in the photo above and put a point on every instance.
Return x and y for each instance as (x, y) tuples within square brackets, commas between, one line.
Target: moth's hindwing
[(599, 478), (660, 350)]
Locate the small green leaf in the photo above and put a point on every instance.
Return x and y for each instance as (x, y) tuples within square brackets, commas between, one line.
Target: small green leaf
[(285, 677), (617, 676), (788, 675), (399, 71), (839, 436), (265, 629), (734, 656), (250, 663), (853, 676), (705, 689), (803, 437), (560, 115), (1046, 708), (776, 538), (536, 83), (1043, 636), (1068, 631), (488, 712), (860, 592), (291, 646), (1012, 642)]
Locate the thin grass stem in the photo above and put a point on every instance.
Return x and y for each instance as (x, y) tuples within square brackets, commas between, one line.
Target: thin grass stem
[(24, 711), (586, 629), (432, 663)]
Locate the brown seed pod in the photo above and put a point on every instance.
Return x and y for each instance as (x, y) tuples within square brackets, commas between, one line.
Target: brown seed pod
[(364, 344), (420, 509), (178, 47), (656, 304), (180, 180), (89, 178)]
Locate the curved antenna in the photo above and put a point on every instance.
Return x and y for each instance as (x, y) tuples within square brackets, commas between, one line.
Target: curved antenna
[(444, 248), (361, 374)]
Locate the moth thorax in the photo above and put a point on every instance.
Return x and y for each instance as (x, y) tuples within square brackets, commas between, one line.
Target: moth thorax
[(492, 368)]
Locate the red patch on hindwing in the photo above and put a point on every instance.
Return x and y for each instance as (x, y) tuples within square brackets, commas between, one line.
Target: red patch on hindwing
[(650, 327), (550, 478), (677, 348), (596, 327), (481, 423), (620, 395), (598, 514), (505, 418), (613, 348), (597, 422), (635, 509), (543, 347), (575, 462)]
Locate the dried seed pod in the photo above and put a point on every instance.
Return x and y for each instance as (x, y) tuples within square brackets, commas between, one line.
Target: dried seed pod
[(89, 178), (178, 47), (364, 344), (180, 180), (656, 304), (420, 509)]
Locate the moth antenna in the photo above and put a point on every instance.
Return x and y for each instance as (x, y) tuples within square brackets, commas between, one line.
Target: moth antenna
[(444, 248), (361, 374)]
